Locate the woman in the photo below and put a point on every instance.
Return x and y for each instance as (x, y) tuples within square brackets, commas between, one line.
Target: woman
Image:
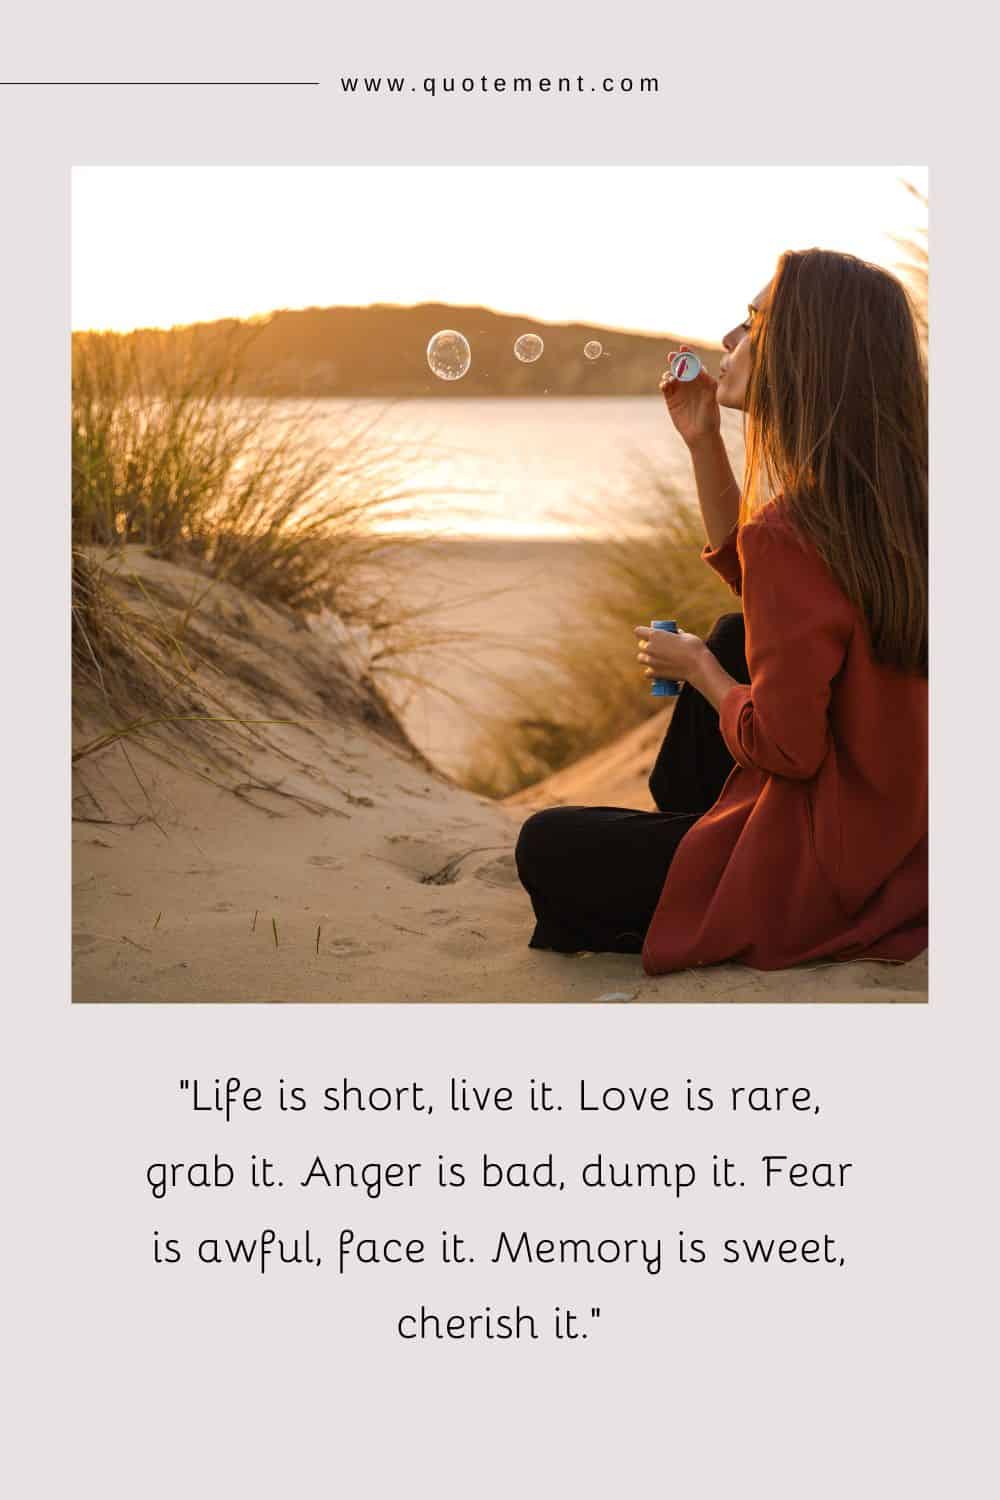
[(792, 782)]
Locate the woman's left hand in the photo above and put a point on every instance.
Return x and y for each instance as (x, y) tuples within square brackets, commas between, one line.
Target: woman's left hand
[(668, 653)]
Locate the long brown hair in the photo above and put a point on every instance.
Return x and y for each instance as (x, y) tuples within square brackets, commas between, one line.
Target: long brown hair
[(836, 423)]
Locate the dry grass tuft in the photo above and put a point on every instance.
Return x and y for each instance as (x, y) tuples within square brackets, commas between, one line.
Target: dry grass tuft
[(168, 457), (166, 454)]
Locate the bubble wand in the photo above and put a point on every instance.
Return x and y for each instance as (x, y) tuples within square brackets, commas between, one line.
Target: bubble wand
[(684, 366)]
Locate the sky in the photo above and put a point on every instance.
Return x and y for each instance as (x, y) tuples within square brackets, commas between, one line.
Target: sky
[(658, 249)]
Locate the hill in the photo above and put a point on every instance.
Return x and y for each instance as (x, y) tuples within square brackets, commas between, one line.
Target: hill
[(380, 351)]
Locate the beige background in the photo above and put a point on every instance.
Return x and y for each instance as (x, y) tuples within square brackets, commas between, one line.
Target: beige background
[(128, 1383)]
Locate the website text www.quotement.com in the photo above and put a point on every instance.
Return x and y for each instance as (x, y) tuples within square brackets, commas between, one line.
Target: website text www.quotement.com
[(437, 85)]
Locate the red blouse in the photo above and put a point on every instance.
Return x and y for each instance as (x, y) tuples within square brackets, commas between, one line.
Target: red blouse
[(817, 845)]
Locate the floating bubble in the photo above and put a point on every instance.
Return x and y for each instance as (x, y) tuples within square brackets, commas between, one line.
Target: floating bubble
[(449, 355), (528, 348), (594, 349)]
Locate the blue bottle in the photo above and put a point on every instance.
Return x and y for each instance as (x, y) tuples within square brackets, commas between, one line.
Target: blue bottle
[(665, 687)]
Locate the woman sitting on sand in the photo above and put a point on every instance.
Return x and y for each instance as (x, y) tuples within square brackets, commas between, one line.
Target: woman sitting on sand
[(792, 782)]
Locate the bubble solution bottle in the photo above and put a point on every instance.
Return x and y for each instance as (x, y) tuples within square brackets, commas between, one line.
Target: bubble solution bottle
[(665, 687)]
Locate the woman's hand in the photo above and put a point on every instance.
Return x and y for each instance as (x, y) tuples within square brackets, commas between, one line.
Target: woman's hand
[(693, 408), (668, 653)]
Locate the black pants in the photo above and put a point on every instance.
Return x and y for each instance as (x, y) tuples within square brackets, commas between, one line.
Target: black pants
[(595, 874)]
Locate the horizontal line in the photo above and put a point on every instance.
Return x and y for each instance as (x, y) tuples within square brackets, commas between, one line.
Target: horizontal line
[(159, 83)]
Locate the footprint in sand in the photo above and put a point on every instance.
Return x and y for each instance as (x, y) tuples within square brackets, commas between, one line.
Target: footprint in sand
[(346, 948), (441, 916), (500, 872), (470, 943), (459, 865), (414, 856), (433, 863)]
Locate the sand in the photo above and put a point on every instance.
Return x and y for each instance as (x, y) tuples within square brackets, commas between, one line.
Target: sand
[(497, 600), (330, 862)]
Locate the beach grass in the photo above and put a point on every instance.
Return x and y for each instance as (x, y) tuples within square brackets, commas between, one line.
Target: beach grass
[(124, 659), (169, 457), (138, 676), (583, 687)]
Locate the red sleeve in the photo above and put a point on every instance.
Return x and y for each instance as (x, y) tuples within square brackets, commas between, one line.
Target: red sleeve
[(798, 624), (725, 559)]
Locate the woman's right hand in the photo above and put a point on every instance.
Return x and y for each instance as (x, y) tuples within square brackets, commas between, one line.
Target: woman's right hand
[(693, 408)]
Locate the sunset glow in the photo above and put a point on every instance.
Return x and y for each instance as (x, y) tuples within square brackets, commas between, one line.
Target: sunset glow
[(678, 249)]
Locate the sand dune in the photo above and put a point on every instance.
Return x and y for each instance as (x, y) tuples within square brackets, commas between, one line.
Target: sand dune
[(329, 862), (616, 776)]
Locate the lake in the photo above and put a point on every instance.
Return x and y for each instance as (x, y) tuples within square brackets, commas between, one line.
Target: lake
[(517, 468)]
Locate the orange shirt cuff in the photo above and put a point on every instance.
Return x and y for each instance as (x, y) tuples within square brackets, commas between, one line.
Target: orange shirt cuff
[(725, 559)]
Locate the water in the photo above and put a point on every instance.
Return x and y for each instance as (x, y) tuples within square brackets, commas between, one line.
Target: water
[(519, 467)]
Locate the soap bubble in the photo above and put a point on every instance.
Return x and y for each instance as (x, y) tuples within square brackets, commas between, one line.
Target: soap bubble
[(528, 348), (449, 355), (594, 349)]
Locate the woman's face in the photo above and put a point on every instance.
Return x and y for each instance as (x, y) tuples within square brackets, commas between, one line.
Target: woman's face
[(734, 371)]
